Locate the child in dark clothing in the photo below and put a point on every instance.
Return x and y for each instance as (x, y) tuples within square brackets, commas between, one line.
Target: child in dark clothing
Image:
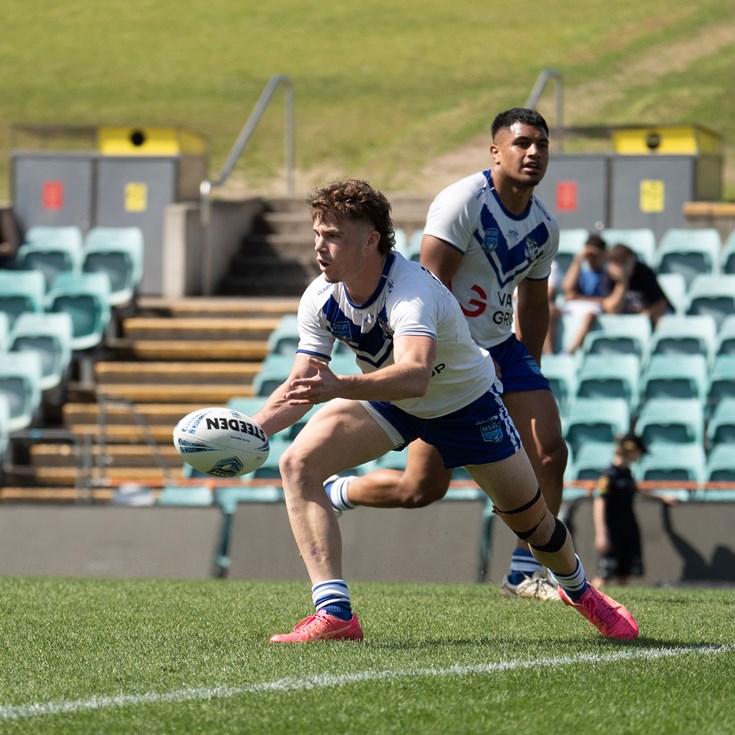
[(617, 535)]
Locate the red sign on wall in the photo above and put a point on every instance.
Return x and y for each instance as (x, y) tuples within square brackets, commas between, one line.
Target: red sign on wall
[(52, 196), (566, 196)]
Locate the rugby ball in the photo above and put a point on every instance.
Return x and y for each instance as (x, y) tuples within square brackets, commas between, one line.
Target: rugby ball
[(221, 442)]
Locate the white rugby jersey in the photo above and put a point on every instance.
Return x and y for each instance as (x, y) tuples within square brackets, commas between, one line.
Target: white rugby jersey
[(500, 250), (408, 301)]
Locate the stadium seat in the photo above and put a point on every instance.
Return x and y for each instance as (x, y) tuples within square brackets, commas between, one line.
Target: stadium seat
[(4, 425), (616, 334), (720, 381), (85, 297), (725, 342), (595, 420), (713, 295), (561, 372), (50, 258), (275, 369), (571, 241), (284, 339), (721, 426), (666, 421), (727, 257), (720, 465), (684, 334), (642, 241), (20, 383), (413, 248), (118, 252), (188, 495), (591, 459), (50, 335), (609, 376), (674, 285), (664, 377), (54, 235), (401, 241), (21, 291), (4, 332), (674, 463), (690, 252)]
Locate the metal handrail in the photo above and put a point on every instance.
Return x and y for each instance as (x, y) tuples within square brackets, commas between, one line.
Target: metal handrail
[(543, 79), (246, 133)]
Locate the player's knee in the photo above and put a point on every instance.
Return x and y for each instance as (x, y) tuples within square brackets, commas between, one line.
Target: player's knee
[(419, 494), (547, 542)]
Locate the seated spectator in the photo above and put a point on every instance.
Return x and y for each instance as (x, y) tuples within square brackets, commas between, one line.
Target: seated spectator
[(585, 286), (636, 289), (9, 238)]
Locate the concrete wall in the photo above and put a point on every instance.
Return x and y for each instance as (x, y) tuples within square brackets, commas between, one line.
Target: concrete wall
[(196, 257), (689, 543)]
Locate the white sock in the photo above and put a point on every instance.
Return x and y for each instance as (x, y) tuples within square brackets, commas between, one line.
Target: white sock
[(337, 491)]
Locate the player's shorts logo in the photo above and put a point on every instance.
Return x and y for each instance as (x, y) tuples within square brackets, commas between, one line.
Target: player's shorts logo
[(491, 430)]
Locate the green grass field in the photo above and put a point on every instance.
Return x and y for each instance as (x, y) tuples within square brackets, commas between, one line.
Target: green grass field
[(148, 656), (383, 89)]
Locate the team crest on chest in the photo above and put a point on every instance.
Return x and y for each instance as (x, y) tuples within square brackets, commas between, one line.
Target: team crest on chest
[(490, 240), (341, 329), (533, 249)]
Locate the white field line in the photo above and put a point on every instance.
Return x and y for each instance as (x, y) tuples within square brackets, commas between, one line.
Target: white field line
[(320, 681)]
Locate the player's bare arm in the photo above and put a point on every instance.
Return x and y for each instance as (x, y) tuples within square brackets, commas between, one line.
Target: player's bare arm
[(532, 319), (440, 258), (409, 377)]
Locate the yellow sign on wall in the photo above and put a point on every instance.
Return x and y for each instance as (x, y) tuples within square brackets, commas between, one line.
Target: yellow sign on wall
[(136, 196), (653, 196)]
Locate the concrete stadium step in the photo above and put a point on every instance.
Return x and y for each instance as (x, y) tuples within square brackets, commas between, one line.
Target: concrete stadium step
[(163, 414), (209, 373), (113, 455), (199, 328), (190, 349), (218, 306), (58, 476), (204, 395), (69, 494)]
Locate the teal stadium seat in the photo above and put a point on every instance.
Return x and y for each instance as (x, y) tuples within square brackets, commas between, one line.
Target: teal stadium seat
[(4, 332), (401, 241), (85, 297), (561, 372), (4, 425), (20, 383), (641, 240), (712, 295), (591, 459), (199, 496), (50, 335), (21, 291), (571, 241), (720, 467), (691, 252), (50, 258), (616, 334), (274, 370), (118, 252), (725, 343), (284, 339), (609, 376), (720, 381), (727, 257), (413, 248), (721, 426), (683, 377), (666, 421), (674, 285), (55, 235), (672, 463), (595, 420), (684, 334)]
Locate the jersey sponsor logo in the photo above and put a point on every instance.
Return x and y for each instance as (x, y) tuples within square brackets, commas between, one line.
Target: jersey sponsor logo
[(475, 307)]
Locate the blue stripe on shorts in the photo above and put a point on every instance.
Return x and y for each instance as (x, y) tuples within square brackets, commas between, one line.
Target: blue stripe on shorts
[(480, 433), (518, 370)]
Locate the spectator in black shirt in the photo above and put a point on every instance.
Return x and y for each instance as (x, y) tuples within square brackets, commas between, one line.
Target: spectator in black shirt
[(636, 289)]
